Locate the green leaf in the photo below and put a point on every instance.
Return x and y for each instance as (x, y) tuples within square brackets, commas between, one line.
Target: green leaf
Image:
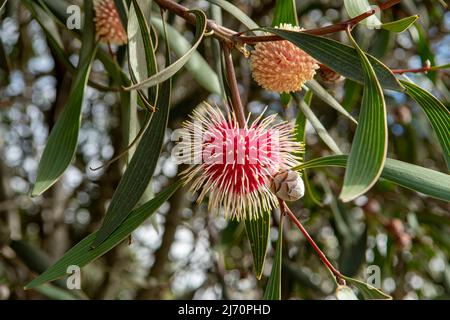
[(140, 169), (367, 291), (2, 5), (62, 142), (340, 57), (369, 147), (285, 98), (235, 12), (142, 64), (429, 182), (50, 27), (317, 125), (216, 15), (258, 236), (285, 12), (356, 7), (55, 293), (345, 293), (169, 71), (139, 172), (423, 48), (81, 254), (323, 95), (4, 63), (437, 113), (273, 289), (400, 25), (196, 65), (57, 10)]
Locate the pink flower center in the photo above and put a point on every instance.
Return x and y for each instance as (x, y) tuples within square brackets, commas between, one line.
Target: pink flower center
[(239, 160)]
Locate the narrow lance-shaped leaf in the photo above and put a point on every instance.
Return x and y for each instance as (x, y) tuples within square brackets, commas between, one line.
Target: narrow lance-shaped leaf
[(258, 236), (345, 293), (141, 64), (81, 254), (50, 28), (140, 169), (437, 113), (400, 25), (196, 65), (235, 12), (356, 7), (62, 142), (169, 71), (2, 5), (323, 94), (367, 291), (429, 182), (340, 57), (55, 293), (300, 136), (285, 12), (317, 125), (369, 147), (273, 289)]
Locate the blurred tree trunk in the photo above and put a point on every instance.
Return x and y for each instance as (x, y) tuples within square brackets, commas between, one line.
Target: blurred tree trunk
[(157, 276)]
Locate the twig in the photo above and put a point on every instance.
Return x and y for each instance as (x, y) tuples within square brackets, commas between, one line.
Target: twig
[(285, 210), (232, 37), (232, 82), (221, 33)]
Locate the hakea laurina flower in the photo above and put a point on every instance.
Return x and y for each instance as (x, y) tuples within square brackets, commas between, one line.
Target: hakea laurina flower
[(281, 66), (234, 166), (108, 25)]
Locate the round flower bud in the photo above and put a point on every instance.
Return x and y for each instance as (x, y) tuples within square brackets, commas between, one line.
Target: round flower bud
[(108, 25), (282, 66), (287, 185)]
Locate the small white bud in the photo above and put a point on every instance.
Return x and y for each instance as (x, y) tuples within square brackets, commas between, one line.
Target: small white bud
[(287, 185)]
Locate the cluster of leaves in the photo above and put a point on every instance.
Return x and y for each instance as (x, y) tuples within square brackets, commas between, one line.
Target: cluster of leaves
[(147, 86)]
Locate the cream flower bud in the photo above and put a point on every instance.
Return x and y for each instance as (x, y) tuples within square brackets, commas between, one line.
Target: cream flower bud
[(281, 66), (287, 185)]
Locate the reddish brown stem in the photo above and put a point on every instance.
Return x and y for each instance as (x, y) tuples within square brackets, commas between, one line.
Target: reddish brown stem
[(285, 210), (221, 33), (424, 69), (232, 37), (237, 106), (341, 26)]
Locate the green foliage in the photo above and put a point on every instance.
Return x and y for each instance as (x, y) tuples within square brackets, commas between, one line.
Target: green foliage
[(369, 146), (340, 57), (273, 289), (148, 85)]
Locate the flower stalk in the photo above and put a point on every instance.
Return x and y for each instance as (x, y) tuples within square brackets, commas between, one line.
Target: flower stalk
[(286, 211)]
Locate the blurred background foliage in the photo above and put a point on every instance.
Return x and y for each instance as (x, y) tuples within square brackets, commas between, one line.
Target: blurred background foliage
[(184, 252)]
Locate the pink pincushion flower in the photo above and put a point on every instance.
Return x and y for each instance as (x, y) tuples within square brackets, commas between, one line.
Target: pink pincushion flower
[(234, 165), (108, 25), (281, 66)]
